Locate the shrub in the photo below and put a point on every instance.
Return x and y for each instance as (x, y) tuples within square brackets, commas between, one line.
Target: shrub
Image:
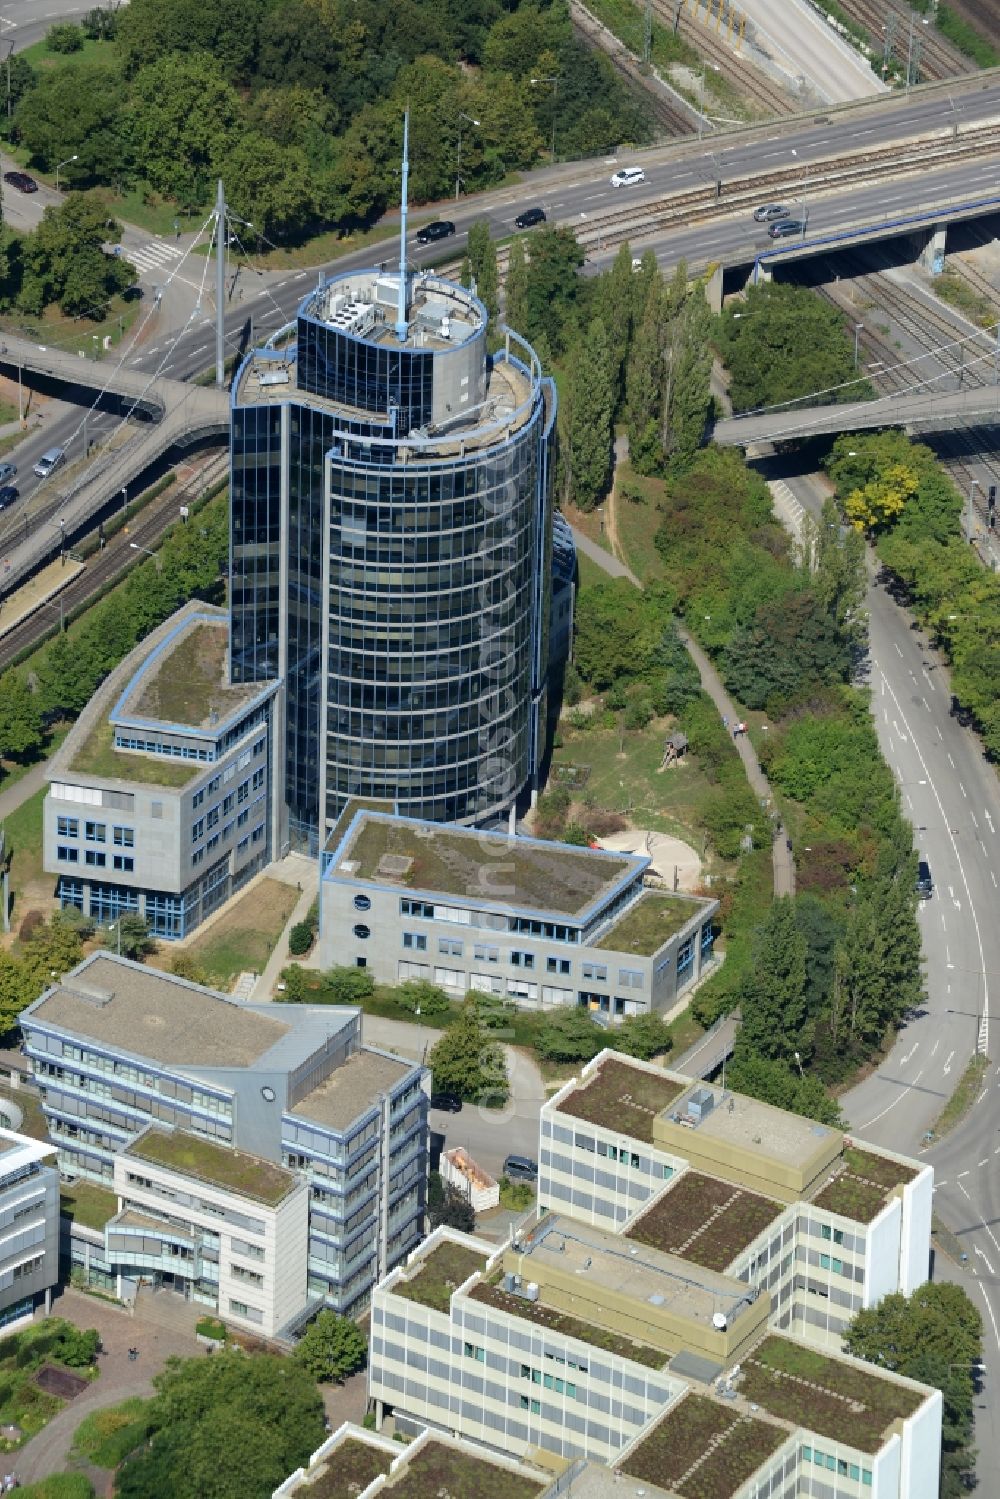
[(576, 835), (348, 986), (300, 938), (600, 822), (29, 926), (294, 979), (418, 994), (211, 1327), (75, 1347), (64, 37)]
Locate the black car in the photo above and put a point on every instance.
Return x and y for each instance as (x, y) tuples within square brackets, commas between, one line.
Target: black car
[(440, 229), (529, 218), (925, 882), (21, 181), (784, 228), (8, 494), (449, 1103)]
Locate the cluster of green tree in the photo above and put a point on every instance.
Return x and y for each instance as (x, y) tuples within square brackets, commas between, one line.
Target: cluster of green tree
[(783, 343), (46, 949), (935, 1336), (828, 974), (965, 37), (919, 539), (447, 1205), (232, 1426), (62, 263), (331, 1348), (298, 105), (66, 672)]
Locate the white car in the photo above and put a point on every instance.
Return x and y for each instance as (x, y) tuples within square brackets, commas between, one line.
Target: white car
[(628, 177)]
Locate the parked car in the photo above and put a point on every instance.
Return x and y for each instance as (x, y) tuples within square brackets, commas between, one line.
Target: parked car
[(628, 177), (439, 229), (784, 228), (8, 494), (768, 211), (7, 472), (529, 218), (448, 1103), (49, 461), (22, 181), (925, 884), (520, 1168)]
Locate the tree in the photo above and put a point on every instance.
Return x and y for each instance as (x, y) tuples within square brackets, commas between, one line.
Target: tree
[(77, 1347), (468, 1062), (591, 409), (774, 1081), (790, 645), (447, 1205), (75, 110), (881, 501), (131, 936), (22, 79), (18, 987), (270, 185), (688, 393), (783, 343), (348, 986), (231, 1427), (186, 966), (569, 1035), (331, 1348), (935, 1336), (622, 635), (228, 30), (182, 124), (422, 997), (773, 994), (301, 938), (294, 979), (482, 253), (21, 732), (552, 285), (64, 260), (516, 289), (642, 1036), (64, 37)]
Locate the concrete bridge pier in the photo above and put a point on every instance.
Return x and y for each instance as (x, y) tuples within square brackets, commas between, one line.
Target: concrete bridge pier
[(760, 274), (931, 257), (713, 289)]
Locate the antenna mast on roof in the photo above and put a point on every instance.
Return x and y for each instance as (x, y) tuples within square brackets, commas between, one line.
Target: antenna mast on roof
[(401, 325)]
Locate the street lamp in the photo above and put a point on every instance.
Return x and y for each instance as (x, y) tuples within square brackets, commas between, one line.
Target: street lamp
[(64, 164), (458, 166), (555, 93)]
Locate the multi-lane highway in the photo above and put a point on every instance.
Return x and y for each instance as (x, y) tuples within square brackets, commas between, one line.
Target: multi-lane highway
[(952, 797)]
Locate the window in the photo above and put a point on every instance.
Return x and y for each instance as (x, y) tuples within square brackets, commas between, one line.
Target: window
[(68, 827), (213, 842), (486, 954), (248, 1251), (243, 792), (198, 799), (259, 745), (362, 932), (229, 803), (522, 959), (534, 1406), (415, 941), (472, 1350), (630, 978), (595, 971), (68, 855), (156, 809), (214, 784), (243, 818), (96, 860), (124, 838), (124, 863), (416, 908), (257, 836), (197, 856), (362, 903), (198, 830), (258, 779), (212, 820), (28, 1267), (557, 965), (97, 832), (252, 1277), (449, 948)]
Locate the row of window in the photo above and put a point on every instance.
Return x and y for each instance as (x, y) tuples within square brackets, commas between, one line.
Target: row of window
[(837, 1465), (95, 832), (212, 786), (161, 747), (95, 858), (525, 926), (629, 978), (234, 799)]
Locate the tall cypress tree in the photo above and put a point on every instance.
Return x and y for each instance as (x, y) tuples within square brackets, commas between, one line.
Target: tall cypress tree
[(516, 290), (644, 385), (591, 410)]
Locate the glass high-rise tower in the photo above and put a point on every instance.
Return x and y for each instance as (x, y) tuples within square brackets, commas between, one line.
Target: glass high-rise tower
[(391, 550)]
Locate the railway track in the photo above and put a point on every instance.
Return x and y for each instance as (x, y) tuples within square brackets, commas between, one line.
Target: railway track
[(938, 59), (750, 82), (670, 114), (109, 564)]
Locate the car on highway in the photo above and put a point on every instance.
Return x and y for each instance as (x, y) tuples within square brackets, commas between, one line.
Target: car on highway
[(785, 228), (448, 1103), (925, 883), (520, 1168), (628, 177), (767, 212), (7, 472), (529, 218), (439, 229), (48, 462), (22, 181), (8, 494)]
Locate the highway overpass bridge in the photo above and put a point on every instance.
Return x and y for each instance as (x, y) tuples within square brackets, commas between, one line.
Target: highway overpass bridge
[(927, 410), (174, 415)]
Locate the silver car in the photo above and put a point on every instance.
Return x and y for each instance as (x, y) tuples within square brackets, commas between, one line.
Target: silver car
[(49, 461), (768, 211), (7, 472)]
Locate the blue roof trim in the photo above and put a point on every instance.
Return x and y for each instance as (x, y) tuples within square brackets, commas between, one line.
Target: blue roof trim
[(120, 719), (639, 863)]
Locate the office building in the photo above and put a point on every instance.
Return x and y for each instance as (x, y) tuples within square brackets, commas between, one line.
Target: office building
[(29, 1227), (539, 924), (392, 551), (162, 800), (263, 1160)]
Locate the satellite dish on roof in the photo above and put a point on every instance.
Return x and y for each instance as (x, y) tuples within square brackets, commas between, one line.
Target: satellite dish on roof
[(719, 1321)]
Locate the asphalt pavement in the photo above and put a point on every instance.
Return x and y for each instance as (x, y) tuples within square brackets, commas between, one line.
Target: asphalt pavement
[(801, 40)]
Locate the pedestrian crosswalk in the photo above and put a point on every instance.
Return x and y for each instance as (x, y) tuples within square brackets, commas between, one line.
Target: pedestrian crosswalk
[(155, 255)]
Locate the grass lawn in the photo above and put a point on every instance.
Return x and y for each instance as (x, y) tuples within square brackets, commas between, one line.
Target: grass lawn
[(40, 56), (446, 1267), (12, 771), (106, 1437), (28, 1104), (23, 832), (637, 523), (22, 1356), (967, 1090), (243, 938), (588, 572), (350, 1469), (97, 756), (88, 1204), (80, 335), (250, 1175), (629, 782)]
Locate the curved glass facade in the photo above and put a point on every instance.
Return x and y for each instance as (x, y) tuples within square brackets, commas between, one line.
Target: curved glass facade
[(391, 536)]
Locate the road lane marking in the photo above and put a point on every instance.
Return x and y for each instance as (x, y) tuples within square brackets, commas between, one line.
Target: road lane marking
[(934, 1048), (899, 653), (947, 1069), (984, 1162), (963, 791), (974, 822), (983, 1257), (960, 1175), (948, 752), (903, 1060), (899, 1097)]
